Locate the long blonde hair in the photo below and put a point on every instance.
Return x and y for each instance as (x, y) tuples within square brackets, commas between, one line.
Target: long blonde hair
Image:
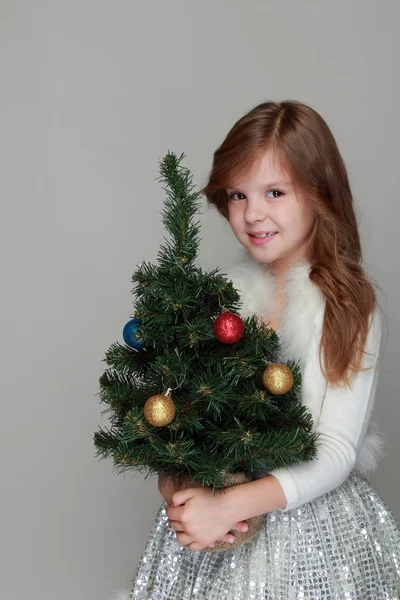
[(304, 144)]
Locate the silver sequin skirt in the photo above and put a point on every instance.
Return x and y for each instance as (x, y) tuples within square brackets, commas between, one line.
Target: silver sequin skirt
[(342, 545)]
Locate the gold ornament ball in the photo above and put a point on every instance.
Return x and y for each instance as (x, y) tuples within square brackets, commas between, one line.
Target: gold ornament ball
[(278, 379), (159, 410)]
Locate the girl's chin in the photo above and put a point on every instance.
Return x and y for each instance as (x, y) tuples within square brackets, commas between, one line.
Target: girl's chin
[(261, 255), (266, 249)]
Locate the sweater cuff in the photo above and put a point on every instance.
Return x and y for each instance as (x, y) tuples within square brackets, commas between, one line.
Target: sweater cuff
[(289, 487)]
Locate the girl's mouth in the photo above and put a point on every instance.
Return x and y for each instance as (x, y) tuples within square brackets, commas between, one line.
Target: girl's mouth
[(262, 238)]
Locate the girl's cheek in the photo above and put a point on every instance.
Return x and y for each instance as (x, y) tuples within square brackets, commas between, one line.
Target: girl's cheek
[(235, 215), (235, 225), (232, 218)]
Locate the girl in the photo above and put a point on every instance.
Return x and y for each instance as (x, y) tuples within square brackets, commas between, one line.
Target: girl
[(279, 179)]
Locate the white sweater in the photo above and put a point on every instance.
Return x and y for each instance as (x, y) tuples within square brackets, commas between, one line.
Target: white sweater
[(341, 416)]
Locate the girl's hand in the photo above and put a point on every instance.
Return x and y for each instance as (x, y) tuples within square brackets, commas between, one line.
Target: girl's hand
[(200, 519), (167, 488)]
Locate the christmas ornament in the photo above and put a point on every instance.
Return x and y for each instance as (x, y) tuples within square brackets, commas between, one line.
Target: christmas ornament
[(228, 328), (129, 334), (278, 378), (159, 410)]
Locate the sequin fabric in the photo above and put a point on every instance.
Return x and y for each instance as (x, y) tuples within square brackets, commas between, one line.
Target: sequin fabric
[(342, 545)]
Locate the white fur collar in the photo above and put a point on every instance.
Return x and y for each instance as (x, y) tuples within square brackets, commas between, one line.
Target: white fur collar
[(303, 312)]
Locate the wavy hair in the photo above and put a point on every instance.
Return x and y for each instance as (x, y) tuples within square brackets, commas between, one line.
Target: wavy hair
[(302, 141)]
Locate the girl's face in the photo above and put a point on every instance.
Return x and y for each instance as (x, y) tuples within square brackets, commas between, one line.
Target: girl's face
[(269, 216)]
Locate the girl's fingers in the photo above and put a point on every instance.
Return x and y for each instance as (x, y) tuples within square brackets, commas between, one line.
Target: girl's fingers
[(174, 513), (227, 538), (177, 525), (183, 538), (241, 526), (196, 546)]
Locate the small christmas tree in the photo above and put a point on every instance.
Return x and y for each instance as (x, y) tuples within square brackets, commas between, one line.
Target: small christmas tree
[(196, 391)]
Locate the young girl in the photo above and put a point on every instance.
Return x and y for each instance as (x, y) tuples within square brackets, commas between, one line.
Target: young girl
[(279, 179)]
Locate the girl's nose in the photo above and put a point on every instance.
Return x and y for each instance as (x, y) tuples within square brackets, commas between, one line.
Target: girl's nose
[(254, 212)]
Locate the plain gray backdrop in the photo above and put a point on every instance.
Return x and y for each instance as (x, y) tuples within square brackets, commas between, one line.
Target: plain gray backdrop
[(93, 94)]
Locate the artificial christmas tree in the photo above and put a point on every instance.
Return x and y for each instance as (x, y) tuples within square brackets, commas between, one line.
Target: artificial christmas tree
[(198, 392)]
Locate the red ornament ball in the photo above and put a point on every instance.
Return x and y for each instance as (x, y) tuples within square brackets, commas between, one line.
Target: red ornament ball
[(228, 328)]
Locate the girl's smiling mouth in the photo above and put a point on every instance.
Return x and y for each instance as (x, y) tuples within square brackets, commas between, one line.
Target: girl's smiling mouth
[(262, 237)]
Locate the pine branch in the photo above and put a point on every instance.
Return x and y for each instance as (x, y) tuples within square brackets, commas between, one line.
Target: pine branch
[(180, 207)]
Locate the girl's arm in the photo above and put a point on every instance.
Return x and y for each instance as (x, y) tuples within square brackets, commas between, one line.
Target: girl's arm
[(200, 519), (342, 425)]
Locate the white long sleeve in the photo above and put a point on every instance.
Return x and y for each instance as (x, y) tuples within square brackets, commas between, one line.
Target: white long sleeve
[(341, 424)]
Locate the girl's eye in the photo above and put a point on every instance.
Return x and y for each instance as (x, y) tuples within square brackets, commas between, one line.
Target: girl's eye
[(231, 196), (277, 191)]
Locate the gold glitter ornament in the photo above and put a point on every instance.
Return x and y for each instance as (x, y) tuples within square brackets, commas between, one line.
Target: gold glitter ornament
[(278, 379), (159, 410)]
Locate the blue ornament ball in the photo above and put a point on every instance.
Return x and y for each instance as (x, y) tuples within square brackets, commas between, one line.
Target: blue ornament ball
[(129, 334)]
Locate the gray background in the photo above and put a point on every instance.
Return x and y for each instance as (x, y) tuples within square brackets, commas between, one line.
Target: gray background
[(93, 93)]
